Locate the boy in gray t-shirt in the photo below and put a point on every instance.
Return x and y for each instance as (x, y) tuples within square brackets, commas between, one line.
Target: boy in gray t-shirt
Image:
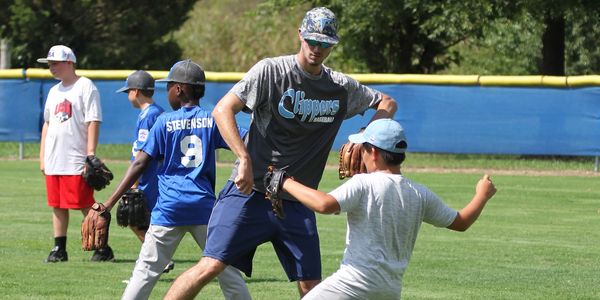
[(385, 211)]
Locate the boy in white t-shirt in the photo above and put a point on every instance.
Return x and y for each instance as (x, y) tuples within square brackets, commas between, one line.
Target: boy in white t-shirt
[(72, 117), (385, 211)]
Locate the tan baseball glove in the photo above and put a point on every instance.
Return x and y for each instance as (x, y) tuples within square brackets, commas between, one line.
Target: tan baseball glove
[(94, 229), (350, 160)]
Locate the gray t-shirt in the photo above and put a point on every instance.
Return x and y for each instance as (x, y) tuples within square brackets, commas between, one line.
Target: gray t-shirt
[(384, 214), (295, 116)]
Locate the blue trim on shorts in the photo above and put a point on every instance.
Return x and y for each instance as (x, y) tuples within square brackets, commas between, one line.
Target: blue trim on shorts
[(239, 223)]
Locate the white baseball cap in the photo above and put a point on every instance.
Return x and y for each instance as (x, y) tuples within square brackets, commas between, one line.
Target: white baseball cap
[(59, 53)]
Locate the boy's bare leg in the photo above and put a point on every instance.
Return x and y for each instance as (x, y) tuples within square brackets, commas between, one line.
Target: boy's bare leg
[(190, 282)]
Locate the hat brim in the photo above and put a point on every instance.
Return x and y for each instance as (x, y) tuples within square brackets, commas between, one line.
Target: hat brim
[(320, 38), (124, 89), (357, 138), (45, 60), (171, 80)]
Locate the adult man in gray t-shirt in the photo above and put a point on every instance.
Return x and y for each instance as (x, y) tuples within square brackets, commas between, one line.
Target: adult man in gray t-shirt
[(297, 106)]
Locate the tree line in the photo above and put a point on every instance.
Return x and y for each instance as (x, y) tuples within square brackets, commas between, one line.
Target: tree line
[(549, 37)]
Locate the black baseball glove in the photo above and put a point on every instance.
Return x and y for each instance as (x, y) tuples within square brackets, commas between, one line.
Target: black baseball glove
[(96, 174), (132, 210), (273, 181)]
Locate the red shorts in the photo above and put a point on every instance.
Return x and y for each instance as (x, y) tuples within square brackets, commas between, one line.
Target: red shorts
[(68, 191)]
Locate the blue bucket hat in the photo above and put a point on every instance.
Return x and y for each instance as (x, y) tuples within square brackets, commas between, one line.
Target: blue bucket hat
[(320, 24), (385, 134)]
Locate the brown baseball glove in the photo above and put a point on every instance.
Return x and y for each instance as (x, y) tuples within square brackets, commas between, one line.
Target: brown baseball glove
[(350, 160), (94, 229)]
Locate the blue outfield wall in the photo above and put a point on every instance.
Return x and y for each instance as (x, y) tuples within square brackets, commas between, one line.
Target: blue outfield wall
[(437, 118)]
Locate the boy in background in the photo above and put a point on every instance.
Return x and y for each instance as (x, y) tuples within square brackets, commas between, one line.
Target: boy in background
[(72, 117), (139, 88)]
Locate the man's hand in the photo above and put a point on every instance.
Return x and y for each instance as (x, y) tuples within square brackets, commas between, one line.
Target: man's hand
[(244, 181)]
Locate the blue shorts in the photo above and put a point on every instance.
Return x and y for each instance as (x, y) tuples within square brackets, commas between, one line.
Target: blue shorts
[(239, 223)]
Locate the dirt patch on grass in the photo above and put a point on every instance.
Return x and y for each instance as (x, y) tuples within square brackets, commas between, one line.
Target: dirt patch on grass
[(520, 172), (505, 172)]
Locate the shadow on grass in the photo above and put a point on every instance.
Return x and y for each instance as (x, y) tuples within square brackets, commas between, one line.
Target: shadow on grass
[(246, 279), (120, 261)]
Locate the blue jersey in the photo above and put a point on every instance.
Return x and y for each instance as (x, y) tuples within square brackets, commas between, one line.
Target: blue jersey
[(186, 141), (148, 181)]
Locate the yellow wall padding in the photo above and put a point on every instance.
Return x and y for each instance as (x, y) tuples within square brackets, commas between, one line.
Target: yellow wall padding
[(477, 80)]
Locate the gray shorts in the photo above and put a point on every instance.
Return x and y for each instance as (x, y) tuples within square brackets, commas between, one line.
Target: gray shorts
[(157, 251)]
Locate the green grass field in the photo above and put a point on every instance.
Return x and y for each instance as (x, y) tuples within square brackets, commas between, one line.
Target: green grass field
[(539, 238)]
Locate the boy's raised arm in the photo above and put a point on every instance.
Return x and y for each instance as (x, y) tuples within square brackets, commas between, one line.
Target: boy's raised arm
[(484, 191)]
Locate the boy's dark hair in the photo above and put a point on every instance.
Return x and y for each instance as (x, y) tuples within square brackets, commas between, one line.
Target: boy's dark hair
[(197, 91), (192, 91), (389, 158), (147, 93)]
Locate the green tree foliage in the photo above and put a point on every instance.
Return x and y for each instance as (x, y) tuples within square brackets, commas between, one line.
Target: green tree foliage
[(403, 36), (387, 36), (4, 16), (462, 37), (512, 44), (508, 47), (232, 35), (105, 34), (583, 34)]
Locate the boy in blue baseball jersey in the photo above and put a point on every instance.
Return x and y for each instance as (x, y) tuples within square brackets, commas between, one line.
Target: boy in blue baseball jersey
[(185, 140), (139, 87)]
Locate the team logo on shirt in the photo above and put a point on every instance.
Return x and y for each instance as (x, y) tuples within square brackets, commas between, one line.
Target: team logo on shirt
[(63, 111), (142, 135), (293, 103)]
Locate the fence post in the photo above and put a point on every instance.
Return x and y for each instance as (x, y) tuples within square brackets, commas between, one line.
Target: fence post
[(21, 151), (596, 165), (4, 54)]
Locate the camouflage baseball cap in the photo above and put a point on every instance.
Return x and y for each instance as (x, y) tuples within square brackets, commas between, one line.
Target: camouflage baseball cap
[(320, 24)]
